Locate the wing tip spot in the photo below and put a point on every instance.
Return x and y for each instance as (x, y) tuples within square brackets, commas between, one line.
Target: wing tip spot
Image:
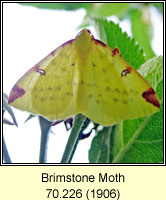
[(150, 96), (15, 93)]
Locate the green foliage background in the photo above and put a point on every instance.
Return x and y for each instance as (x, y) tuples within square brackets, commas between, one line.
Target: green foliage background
[(130, 141)]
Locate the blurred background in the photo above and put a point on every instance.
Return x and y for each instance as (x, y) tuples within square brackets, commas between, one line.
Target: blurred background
[(31, 33)]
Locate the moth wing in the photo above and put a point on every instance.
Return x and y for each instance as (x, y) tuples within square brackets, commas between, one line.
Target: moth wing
[(112, 89), (50, 87)]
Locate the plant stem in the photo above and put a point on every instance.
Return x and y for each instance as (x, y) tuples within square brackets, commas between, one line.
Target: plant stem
[(75, 147), (45, 126), (6, 153), (78, 122)]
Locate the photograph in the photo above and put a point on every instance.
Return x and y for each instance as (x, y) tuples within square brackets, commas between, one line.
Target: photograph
[(82, 83)]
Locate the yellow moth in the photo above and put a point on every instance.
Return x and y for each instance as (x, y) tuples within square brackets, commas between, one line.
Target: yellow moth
[(85, 76)]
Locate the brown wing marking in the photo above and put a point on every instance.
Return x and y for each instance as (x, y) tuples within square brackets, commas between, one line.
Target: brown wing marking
[(16, 93), (150, 96), (115, 51), (126, 71)]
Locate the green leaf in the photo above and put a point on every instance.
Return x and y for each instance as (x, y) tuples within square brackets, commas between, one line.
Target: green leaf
[(108, 9), (142, 30), (159, 7), (8, 108), (101, 150), (112, 34), (100, 146), (116, 140), (134, 141), (152, 70), (143, 141), (60, 6), (94, 9)]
